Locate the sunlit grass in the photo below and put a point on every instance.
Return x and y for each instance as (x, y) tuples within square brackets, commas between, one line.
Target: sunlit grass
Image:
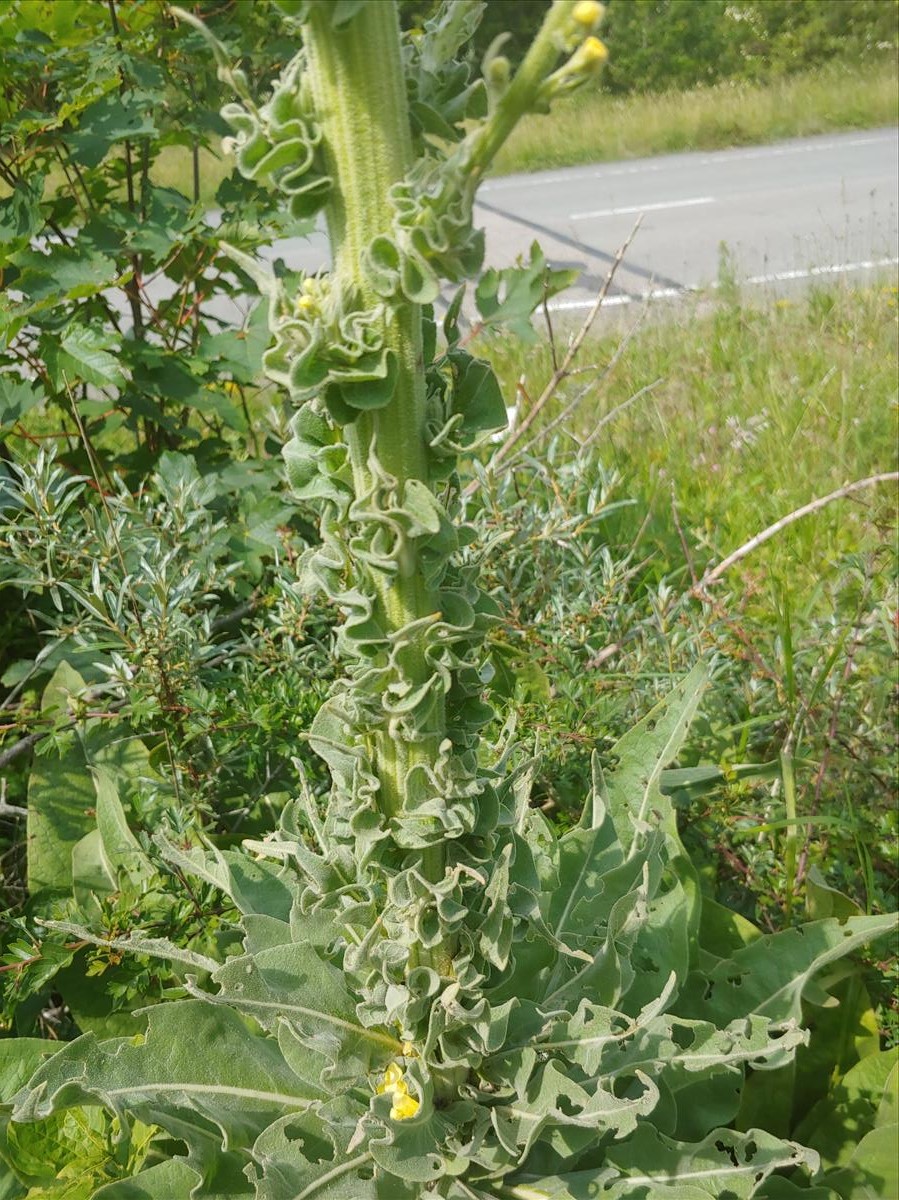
[(759, 409), (594, 127)]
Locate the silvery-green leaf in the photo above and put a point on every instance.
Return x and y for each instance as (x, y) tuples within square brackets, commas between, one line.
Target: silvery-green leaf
[(134, 943), (650, 1165), (307, 1155), (170, 1178), (773, 974), (198, 1070), (778, 1187), (293, 986), (609, 973), (254, 886), (90, 874), (412, 1149), (555, 1099)]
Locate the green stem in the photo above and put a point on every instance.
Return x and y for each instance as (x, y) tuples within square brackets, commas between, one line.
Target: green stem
[(358, 88), (518, 99)]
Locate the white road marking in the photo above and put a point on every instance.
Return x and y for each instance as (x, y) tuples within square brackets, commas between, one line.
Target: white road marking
[(642, 208), (834, 269), (668, 163), (775, 277)]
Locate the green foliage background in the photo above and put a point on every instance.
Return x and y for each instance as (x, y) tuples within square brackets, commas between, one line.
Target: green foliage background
[(660, 45)]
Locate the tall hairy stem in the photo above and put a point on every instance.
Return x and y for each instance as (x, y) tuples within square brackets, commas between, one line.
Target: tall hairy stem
[(356, 78)]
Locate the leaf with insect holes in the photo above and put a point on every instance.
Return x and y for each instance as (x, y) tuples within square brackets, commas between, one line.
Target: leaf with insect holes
[(651, 1165), (776, 972)]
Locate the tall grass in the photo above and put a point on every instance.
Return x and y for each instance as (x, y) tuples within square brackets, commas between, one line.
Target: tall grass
[(758, 410), (593, 127)]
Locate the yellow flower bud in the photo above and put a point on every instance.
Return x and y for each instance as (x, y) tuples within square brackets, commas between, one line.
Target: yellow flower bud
[(593, 52), (305, 304), (588, 13)]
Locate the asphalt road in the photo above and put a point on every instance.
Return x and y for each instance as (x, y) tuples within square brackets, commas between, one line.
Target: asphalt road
[(790, 212), (808, 209)]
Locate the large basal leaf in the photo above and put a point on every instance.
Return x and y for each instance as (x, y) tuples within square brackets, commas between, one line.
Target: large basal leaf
[(773, 974), (60, 794), (198, 1069), (648, 1165), (63, 794), (291, 990), (121, 854)]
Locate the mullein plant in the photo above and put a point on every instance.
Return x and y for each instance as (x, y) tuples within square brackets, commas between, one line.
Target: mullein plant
[(438, 995)]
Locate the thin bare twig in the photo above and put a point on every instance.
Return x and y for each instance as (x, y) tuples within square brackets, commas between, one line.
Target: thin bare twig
[(713, 576), (594, 383), (563, 369), (9, 810), (25, 743)]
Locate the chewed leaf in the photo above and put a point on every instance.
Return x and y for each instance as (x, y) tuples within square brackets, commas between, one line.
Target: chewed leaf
[(773, 974), (634, 794), (723, 1164), (308, 1156)]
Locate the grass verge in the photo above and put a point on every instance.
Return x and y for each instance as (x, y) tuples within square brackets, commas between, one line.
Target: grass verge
[(757, 410), (593, 127)]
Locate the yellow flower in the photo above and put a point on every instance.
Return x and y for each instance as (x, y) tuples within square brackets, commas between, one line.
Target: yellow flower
[(403, 1108), (393, 1084), (393, 1076), (588, 13)]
